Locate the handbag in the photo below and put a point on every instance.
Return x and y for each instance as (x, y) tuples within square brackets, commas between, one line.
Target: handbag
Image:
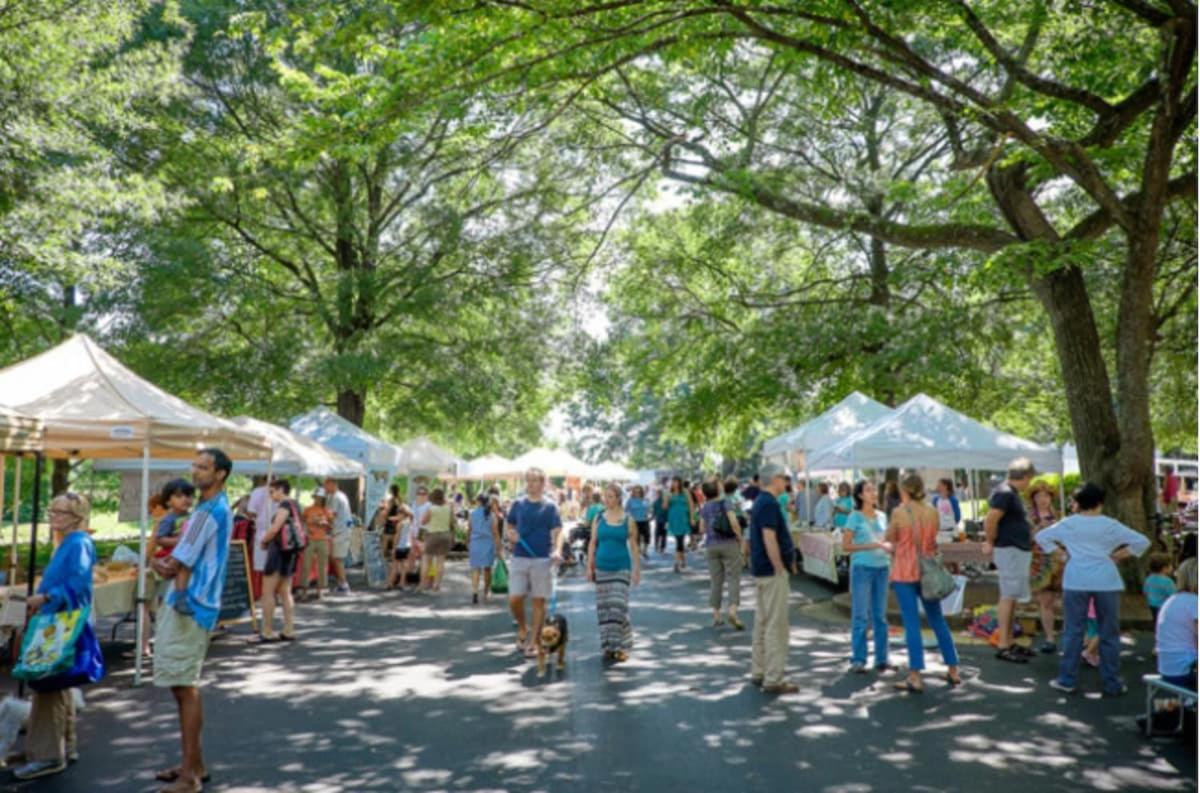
[(936, 581), (88, 667), (60, 650), (500, 578)]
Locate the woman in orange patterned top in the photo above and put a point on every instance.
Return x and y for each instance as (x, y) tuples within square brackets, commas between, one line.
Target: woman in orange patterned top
[(912, 531)]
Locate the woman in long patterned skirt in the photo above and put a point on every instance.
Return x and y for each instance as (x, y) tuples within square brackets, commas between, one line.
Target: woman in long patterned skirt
[(614, 564)]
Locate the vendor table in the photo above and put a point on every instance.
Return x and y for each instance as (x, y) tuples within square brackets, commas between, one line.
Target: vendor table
[(963, 553), (821, 551)]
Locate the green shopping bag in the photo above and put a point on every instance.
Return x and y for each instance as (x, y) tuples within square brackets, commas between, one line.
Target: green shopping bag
[(499, 578), (49, 645)]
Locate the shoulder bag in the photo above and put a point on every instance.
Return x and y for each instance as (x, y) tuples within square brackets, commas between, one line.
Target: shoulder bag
[(936, 581)]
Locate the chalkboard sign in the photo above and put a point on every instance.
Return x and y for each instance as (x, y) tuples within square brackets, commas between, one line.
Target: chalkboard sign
[(237, 600), (376, 566)]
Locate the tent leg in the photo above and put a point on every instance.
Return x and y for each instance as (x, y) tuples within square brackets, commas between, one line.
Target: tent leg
[(38, 465), (3, 463), (141, 581), (16, 510)]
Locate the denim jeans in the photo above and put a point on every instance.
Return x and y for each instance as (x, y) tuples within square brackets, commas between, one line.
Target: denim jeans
[(1075, 610), (908, 595), (868, 601)]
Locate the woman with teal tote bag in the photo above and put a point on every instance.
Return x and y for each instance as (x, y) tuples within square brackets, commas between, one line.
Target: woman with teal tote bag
[(63, 603)]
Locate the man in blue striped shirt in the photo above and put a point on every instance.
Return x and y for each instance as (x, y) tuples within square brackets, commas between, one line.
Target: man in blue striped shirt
[(189, 613)]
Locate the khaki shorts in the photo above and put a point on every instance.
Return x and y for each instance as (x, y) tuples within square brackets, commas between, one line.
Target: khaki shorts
[(341, 545), (1012, 568), (529, 577), (180, 645)]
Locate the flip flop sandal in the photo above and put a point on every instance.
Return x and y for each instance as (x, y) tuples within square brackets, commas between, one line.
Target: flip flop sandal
[(530, 652), (906, 685), (953, 681), (1023, 651), (171, 774), (284, 637)]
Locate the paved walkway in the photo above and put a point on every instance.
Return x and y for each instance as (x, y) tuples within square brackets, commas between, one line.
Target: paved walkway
[(416, 692)]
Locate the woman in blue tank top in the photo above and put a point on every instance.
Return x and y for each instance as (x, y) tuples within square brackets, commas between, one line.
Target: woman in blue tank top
[(614, 564)]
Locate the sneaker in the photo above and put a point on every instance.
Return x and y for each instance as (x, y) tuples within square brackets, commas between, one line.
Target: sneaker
[(40, 768), (1047, 647), (858, 668), (343, 589), (781, 688), (1058, 685), (1118, 692)]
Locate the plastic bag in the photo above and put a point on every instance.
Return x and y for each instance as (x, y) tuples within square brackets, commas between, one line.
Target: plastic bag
[(124, 553), (500, 578), (13, 715), (952, 604)]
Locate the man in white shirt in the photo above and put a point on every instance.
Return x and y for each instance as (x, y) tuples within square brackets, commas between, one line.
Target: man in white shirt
[(343, 520)]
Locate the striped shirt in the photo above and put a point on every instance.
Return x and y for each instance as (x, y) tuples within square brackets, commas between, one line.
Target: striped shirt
[(204, 549)]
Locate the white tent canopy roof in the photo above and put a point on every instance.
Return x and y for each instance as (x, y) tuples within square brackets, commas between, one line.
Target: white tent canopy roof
[(613, 472), (329, 429), (853, 413), (421, 455), (489, 466), (555, 462), (92, 406), (292, 454), (18, 432), (924, 433)]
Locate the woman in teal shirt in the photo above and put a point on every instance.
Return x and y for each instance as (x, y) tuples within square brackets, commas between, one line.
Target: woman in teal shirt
[(614, 564), (681, 511), (843, 506), (864, 540)]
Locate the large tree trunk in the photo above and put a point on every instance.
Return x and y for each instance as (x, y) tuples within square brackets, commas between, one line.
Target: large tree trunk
[(352, 406)]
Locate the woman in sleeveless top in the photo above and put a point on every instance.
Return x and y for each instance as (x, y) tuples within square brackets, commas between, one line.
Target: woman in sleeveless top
[(482, 544), (912, 532), (614, 564), (439, 523)]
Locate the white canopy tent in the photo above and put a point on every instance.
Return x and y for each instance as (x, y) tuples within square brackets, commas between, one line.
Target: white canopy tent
[(291, 454), (851, 414), (924, 433), (613, 472), (489, 466), (423, 456), (92, 406), (379, 458), (555, 462)]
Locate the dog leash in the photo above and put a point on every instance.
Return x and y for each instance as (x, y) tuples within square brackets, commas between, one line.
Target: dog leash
[(553, 579)]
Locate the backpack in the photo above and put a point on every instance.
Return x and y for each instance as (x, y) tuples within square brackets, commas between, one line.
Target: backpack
[(293, 536), (721, 526)]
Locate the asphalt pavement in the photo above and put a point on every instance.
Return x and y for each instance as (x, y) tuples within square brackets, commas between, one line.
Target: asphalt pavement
[(419, 692)]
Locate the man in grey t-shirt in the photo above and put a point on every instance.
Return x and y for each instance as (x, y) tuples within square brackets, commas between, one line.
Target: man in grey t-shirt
[(1010, 542), (343, 520)]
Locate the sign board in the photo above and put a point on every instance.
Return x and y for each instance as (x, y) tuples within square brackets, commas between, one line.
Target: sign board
[(237, 599), (374, 563), (377, 490)]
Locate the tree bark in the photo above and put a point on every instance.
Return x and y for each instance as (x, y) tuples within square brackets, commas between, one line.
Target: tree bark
[(352, 405)]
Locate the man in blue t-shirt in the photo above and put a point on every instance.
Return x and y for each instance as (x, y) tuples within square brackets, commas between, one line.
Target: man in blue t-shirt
[(196, 569), (534, 529), (772, 555)]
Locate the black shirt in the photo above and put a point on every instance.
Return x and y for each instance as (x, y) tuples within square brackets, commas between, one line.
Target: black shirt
[(1013, 530)]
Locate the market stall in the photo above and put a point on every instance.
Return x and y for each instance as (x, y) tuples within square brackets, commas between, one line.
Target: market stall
[(91, 406), (380, 460)]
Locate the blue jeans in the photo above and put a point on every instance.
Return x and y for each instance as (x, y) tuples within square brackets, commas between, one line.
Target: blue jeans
[(868, 600), (908, 595), (1075, 609)]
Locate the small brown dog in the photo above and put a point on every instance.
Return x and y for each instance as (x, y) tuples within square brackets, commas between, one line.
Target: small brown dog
[(553, 639)]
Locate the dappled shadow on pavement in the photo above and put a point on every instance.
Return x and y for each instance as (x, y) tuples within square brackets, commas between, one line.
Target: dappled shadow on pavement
[(389, 691)]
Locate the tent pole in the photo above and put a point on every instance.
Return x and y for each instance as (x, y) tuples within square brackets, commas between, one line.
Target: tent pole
[(3, 462), (16, 509), (144, 520), (971, 491), (38, 464)]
